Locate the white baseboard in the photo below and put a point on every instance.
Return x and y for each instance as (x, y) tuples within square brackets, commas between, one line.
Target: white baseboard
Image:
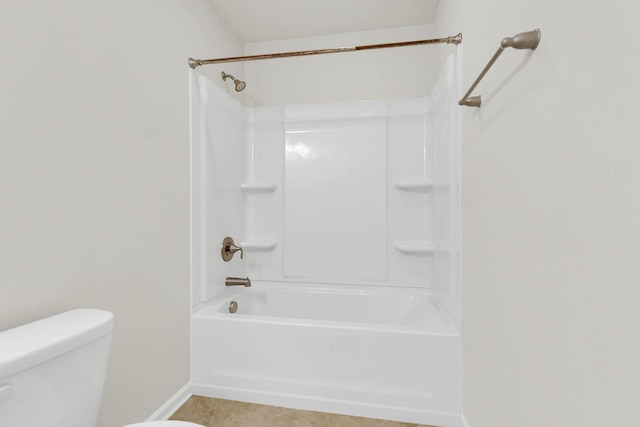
[(292, 401), (172, 405), (314, 403)]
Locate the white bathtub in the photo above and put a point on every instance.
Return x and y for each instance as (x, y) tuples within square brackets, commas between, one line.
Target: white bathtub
[(376, 353)]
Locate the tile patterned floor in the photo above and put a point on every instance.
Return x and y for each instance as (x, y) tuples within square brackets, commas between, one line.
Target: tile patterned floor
[(227, 413)]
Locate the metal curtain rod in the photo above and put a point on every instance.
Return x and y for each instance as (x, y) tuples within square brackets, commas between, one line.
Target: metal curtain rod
[(456, 40), (526, 40)]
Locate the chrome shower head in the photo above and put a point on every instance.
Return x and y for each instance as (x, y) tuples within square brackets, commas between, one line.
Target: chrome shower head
[(240, 85)]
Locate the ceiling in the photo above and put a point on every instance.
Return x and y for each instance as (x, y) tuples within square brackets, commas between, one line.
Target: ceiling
[(265, 20)]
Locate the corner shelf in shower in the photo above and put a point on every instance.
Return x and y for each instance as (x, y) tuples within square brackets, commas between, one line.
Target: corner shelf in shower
[(414, 185), (257, 188), (259, 245), (414, 248)]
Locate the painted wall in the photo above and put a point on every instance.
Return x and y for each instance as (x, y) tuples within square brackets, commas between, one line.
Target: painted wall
[(406, 72), (94, 177), (551, 229)]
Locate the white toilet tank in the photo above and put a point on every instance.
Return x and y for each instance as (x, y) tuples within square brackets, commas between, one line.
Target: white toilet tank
[(52, 371)]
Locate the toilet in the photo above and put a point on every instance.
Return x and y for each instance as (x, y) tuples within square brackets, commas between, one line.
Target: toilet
[(52, 371)]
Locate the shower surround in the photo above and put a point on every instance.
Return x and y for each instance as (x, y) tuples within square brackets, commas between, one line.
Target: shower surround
[(348, 215)]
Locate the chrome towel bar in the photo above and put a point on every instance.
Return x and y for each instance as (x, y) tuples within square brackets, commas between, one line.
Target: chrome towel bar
[(526, 40)]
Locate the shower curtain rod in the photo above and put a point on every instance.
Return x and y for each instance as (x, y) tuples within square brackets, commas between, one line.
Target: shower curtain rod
[(456, 40)]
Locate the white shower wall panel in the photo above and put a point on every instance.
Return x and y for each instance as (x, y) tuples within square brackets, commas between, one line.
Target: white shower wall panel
[(218, 141), (445, 134), (264, 219), (336, 212), (409, 160), (335, 200)]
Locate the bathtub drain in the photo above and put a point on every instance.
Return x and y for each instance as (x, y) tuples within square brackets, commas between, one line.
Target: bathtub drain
[(233, 307)]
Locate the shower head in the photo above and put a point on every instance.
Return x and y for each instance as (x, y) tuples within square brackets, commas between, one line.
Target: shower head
[(240, 85)]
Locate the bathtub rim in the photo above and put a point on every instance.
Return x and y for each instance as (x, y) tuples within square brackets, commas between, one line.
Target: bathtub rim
[(210, 309)]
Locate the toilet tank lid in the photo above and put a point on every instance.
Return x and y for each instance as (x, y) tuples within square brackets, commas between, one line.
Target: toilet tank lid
[(36, 342)]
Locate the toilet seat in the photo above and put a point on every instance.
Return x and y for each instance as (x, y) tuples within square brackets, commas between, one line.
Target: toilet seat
[(164, 424)]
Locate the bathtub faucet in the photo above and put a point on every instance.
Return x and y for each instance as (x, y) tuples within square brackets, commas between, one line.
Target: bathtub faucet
[(237, 281)]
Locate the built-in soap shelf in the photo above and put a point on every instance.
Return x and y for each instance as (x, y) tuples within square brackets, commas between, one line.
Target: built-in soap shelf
[(419, 248), (414, 185), (259, 245), (258, 188)]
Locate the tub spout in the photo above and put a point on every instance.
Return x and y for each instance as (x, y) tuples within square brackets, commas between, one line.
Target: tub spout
[(237, 281)]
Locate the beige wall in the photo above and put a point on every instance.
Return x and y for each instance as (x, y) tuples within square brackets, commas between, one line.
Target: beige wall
[(94, 177), (551, 216)]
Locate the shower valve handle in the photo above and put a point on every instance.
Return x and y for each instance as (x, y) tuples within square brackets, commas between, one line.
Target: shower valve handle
[(229, 248), (233, 249)]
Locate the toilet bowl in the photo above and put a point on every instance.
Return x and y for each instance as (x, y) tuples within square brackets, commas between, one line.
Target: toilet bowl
[(58, 365)]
